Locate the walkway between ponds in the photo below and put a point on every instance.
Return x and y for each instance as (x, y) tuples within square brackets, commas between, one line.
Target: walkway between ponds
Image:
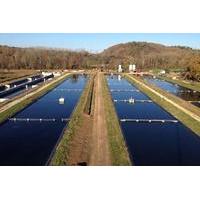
[(100, 154)]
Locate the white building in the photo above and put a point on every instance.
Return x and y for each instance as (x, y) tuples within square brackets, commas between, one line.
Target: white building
[(119, 68), (132, 68), (46, 74), (56, 74), (162, 72)]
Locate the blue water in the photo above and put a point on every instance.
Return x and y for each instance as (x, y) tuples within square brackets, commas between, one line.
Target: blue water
[(31, 143), (177, 90), (153, 143), (22, 84)]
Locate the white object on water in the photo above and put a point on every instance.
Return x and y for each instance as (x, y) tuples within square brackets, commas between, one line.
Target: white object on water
[(131, 100), (61, 100)]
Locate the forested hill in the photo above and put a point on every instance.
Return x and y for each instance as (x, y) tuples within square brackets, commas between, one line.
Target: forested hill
[(144, 55), (148, 55), (37, 58)]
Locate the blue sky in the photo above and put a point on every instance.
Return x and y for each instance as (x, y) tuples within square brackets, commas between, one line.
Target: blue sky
[(95, 41)]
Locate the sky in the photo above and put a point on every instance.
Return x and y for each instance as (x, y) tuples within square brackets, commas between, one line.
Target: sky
[(95, 42)]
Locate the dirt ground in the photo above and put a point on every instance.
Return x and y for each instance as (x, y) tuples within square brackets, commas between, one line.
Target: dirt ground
[(79, 153), (100, 154), (10, 75), (90, 143)]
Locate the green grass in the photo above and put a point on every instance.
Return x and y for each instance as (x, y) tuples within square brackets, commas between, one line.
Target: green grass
[(61, 153), (18, 107), (180, 115), (117, 144), (178, 100), (89, 107)]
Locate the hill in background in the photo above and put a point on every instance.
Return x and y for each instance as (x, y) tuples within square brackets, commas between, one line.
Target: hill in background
[(149, 55), (143, 54)]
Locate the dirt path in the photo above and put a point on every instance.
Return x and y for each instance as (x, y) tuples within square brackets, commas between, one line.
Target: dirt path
[(79, 153), (100, 154), (194, 116)]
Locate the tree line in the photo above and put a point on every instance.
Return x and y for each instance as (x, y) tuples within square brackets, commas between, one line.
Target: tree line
[(37, 58), (144, 55)]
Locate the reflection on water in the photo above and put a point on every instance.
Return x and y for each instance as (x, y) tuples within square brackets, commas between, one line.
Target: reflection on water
[(74, 78), (153, 143), (182, 92), (30, 143)]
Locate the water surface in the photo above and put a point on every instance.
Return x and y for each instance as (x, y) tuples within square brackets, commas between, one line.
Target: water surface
[(182, 92), (153, 143), (31, 143)]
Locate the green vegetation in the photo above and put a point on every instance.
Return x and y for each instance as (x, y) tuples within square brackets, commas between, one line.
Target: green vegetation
[(118, 149), (190, 85), (180, 115), (61, 153), (16, 108), (89, 107)]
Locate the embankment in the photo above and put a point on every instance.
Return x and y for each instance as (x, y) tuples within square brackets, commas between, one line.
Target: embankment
[(117, 144), (182, 110), (17, 105)]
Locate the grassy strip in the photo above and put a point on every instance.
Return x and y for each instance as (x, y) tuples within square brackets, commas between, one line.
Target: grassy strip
[(180, 115), (18, 107), (187, 105), (2, 104), (118, 148), (60, 156), (191, 85), (90, 99)]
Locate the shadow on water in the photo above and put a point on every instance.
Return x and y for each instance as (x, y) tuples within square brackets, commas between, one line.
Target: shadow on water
[(153, 143)]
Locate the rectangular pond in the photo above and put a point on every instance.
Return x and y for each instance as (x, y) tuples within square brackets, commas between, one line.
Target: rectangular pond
[(22, 86), (152, 143), (179, 91), (31, 142)]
